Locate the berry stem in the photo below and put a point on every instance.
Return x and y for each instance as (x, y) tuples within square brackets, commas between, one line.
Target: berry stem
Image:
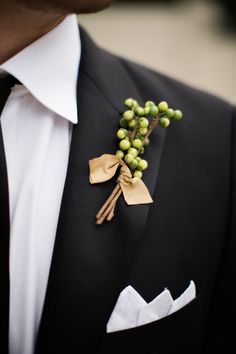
[(107, 210), (152, 126), (133, 133)]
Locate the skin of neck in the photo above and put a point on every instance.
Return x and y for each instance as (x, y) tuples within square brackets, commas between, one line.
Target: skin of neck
[(20, 26)]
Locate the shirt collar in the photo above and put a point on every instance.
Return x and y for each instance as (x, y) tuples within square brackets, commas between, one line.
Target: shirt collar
[(48, 68)]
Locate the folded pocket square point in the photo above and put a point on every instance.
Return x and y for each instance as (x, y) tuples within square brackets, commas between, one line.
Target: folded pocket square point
[(131, 310), (126, 310)]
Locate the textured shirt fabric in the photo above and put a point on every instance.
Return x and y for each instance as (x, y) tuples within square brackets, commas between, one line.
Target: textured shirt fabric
[(37, 123)]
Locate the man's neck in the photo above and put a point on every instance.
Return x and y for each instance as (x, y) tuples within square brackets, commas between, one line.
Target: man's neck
[(19, 27)]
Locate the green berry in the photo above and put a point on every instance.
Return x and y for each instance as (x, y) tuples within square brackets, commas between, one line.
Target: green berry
[(149, 104), (128, 115), (138, 158), (132, 123), (143, 122), (164, 122), (163, 106), (137, 143), (133, 164), (135, 105), (170, 113), (124, 144), (139, 111), (122, 133), (146, 111), (120, 154), (143, 164), (178, 114), (133, 151), (146, 142), (138, 173), (123, 123), (154, 111), (142, 150), (143, 131), (129, 102), (129, 158)]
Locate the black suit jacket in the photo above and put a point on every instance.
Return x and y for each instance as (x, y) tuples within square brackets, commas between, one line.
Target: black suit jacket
[(187, 233)]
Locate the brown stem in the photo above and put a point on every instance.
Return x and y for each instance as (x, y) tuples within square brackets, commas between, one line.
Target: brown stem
[(133, 134), (112, 213), (107, 210), (109, 199), (151, 128)]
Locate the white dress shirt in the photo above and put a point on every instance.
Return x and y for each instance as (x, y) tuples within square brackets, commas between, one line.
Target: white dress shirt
[(37, 123)]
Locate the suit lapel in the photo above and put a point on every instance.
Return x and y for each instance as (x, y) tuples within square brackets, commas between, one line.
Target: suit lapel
[(91, 263)]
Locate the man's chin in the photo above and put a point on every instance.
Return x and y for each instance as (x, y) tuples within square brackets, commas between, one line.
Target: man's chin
[(93, 6), (66, 6)]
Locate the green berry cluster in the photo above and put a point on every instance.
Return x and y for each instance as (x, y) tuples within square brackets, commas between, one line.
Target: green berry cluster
[(136, 125)]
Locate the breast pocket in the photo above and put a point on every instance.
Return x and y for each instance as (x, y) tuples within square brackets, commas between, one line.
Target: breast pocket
[(152, 337)]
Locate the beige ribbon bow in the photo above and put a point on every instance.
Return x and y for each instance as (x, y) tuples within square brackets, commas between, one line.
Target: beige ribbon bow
[(134, 190)]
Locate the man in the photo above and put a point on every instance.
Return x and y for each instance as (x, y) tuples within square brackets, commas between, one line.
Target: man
[(61, 98)]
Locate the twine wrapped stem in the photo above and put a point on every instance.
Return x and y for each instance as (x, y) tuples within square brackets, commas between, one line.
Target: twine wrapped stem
[(107, 210)]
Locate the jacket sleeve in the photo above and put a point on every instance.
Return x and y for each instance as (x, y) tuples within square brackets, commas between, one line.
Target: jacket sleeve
[(221, 324)]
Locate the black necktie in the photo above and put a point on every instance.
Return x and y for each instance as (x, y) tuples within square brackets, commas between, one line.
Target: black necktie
[(5, 88)]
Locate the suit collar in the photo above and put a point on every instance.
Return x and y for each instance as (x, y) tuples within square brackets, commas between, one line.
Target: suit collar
[(51, 77)]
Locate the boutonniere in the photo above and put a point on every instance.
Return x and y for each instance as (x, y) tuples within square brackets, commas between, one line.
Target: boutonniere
[(136, 126)]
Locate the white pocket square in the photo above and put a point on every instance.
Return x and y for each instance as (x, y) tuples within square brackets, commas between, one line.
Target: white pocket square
[(131, 310)]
